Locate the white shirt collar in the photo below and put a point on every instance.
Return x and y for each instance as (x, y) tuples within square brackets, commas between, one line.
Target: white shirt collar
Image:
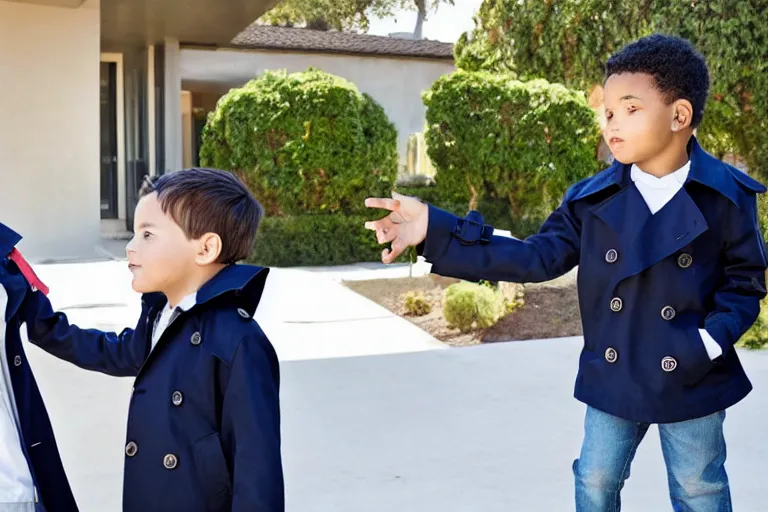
[(186, 303), (679, 176)]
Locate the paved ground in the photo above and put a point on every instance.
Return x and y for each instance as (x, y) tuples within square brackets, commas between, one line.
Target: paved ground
[(488, 428)]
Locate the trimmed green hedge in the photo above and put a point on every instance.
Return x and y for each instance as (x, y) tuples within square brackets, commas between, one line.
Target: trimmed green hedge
[(315, 240), (491, 137), (304, 142)]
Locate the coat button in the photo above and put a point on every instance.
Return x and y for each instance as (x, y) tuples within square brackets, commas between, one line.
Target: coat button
[(616, 304), (611, 256), (668, 313), (196, 339), (177, 398), (17, 361), (131, 449), (243, 313), (684, 260), (611, 355), (170, 461), (668, 364)]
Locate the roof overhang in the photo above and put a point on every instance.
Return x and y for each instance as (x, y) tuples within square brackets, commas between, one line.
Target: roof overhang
[(214, 22)]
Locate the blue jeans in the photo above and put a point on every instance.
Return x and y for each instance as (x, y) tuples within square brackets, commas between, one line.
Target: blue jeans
[(694, 453)]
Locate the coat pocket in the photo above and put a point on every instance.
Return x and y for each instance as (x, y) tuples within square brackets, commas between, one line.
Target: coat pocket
[(212, 472), (691, 357)]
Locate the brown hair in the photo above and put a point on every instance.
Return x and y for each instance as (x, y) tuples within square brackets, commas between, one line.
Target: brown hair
[(204, 201)]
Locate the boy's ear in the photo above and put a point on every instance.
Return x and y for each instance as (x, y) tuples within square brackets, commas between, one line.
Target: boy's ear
[(209, 249), (682, 115)]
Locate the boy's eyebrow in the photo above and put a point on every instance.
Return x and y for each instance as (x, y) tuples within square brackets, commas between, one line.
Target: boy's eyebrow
[(629, 97), (146, 225)]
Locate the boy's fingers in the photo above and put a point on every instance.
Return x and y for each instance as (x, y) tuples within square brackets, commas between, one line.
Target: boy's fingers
[(379, 225), (382, 203), (388, 256), (386, 234)]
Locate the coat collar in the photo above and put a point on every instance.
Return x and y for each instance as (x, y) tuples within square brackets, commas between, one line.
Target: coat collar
[(705, 169), (245, 281), (8, 240)]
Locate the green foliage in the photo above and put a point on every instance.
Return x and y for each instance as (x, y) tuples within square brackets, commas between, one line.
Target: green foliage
[(470, 305), (569, 41), (492, 138), (314, 240), (304, 142), (345, 15), (757, 336), (415, 304)]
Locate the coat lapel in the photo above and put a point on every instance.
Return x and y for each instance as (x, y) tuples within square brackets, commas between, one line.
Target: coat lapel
[(645, 239)]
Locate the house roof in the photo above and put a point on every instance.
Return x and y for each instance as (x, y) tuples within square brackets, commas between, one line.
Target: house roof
[(266, 37)]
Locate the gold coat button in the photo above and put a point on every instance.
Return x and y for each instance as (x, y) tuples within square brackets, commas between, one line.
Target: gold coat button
[(131, 449), (170, 461), (616, 304), (668, 313), (684, 260), (668, 364)]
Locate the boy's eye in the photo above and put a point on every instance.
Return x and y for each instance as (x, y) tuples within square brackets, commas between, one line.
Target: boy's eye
[(147, 235), (608, 115), (631, 109)]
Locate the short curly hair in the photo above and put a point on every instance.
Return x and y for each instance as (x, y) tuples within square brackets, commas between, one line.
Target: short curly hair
[(679, 70)]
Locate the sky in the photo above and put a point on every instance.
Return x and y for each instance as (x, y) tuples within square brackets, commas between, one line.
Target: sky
[(447, 24)]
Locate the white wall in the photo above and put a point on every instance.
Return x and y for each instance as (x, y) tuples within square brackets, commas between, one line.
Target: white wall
[(49, 127), (395, 83)]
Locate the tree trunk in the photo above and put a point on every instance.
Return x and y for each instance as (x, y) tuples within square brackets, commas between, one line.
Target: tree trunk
[(422, 10)]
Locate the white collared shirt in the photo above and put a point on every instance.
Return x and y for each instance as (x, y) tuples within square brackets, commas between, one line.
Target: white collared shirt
[(169, 314), (17, 490), (657, 192)]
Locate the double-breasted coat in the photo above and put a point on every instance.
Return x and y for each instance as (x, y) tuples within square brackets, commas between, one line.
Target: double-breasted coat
[(204, 417), (646, 283), (37, 437)]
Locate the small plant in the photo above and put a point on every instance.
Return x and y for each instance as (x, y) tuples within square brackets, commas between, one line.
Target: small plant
[(469, 305), (513, 294), (415, 304)]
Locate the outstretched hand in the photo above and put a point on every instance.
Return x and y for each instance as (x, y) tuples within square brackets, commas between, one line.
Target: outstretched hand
[(405, 226)]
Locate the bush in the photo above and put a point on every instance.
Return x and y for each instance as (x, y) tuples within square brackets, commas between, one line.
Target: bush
[(496, 212), (757, 336), (314, 240), (304, 142), (415, 304), (494, 138), (469, 305)]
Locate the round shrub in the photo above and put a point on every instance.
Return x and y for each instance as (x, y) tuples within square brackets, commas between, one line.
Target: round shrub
[(305, 142), (415, 304), (492, 137), (469, 305)]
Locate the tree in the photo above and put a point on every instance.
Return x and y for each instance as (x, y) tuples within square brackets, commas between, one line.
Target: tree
[(569, 41), (348, 15)]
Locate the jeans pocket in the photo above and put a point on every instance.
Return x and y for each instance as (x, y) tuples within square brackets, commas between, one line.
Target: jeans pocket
[(213, 473)]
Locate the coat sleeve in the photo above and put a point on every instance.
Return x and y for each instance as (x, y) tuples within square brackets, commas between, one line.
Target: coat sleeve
[(251, 420), (737, 299), (120, 355), (467, 249)]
